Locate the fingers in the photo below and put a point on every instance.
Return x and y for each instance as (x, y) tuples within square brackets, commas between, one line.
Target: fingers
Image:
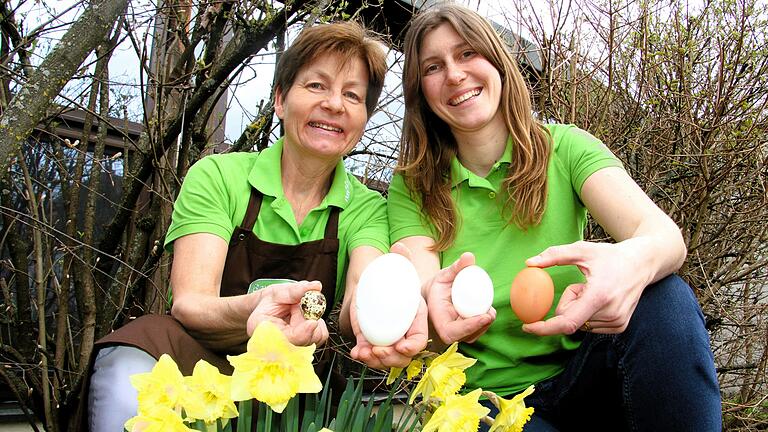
[(363, 352), (415, 339), (389, 357), (567, 254), (401, 352), (463, 328), (307, 332), (571, 294), (290, 293), (473, 337), (558, 324), (575, 307), (448, 274)]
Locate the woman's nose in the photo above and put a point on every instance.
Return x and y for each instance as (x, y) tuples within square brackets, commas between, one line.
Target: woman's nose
[(334, 102), (455, 74)]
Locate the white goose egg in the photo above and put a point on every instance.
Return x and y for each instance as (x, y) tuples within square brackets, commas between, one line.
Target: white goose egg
[(387, 299), (472, 292)]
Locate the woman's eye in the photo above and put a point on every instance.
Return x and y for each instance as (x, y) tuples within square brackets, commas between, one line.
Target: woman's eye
[(353, 96), (431, 69), (468, 54), (315, 86)]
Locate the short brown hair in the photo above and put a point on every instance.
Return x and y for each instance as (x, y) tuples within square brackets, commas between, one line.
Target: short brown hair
[(348, 39)]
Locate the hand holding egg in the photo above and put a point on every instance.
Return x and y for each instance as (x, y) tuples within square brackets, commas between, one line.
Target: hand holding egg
[(531, 294), (282, 305), (449, 324), (387, 299)]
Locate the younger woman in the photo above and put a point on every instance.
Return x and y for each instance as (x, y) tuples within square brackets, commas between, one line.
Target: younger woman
[(479, 174)]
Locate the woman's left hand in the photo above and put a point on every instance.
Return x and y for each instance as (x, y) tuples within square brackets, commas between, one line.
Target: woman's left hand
[(606, 301)]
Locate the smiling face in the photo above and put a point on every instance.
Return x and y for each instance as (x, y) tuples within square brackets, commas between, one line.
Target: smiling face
[(460, 85), (324, 112)]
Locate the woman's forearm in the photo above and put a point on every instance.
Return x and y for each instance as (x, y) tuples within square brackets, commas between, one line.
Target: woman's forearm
[(219, 323)]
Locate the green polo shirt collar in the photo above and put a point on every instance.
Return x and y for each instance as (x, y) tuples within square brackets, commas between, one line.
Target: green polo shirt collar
[(460, 174), (266, 177)]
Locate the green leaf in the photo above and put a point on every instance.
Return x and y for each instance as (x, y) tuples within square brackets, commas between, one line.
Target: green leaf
[(343, 414), (359, 421), (244, 419), (259, 418), (310, 411), (289, 418)]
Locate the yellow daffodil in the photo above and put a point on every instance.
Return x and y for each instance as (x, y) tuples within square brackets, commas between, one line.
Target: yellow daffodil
[(209, 396), (458, 414), (413, 369), (513, 414), (394, 372), (444, 376), (163, 386), (273, 370), (157, 418), (325, 430)]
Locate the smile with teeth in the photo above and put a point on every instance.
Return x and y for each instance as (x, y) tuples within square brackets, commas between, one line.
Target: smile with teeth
[(325, 127), (468, 95)]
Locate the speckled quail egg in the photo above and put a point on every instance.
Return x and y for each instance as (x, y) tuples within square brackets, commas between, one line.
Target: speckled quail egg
[(313, 305)]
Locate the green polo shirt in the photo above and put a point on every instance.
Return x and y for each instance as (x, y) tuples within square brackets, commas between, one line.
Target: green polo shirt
[(509, 359), (214, 198)]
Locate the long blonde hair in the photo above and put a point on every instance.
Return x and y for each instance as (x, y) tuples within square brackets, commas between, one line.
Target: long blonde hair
[(427, 144)]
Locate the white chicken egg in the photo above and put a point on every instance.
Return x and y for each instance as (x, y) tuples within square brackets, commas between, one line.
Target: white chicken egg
[(472, 292), (387, 299)]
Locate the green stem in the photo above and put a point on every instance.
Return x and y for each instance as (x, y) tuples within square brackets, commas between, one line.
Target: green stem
[(269, 420)]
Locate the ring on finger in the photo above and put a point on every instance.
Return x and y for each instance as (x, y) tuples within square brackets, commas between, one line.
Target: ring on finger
[(587, 327)]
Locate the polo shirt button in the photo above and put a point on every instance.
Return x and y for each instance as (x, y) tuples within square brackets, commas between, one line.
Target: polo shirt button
[(491, 195)]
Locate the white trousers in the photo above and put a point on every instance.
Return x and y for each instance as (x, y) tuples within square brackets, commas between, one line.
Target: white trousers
[(112, 400)]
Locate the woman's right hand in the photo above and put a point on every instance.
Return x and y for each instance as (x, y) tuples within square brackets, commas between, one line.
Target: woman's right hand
[(448, 324), (280, 304)]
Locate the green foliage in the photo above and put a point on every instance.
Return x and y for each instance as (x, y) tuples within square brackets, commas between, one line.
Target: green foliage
[(355, 412)]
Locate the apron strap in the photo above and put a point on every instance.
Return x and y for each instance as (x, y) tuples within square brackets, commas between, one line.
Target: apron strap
[(332, 226), (254, 206)]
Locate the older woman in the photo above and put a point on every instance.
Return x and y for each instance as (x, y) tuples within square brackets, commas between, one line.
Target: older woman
[(478, 173), (290, 211)]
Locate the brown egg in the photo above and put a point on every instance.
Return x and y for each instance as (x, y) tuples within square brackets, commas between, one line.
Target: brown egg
[(531, 294)]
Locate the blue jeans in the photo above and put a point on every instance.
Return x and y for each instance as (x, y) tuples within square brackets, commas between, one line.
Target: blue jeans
[(658, 375)]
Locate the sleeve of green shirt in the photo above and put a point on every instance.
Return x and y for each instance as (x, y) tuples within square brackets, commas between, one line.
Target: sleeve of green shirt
[(368, 223), (203, 204), (582, 153), (405, 216)]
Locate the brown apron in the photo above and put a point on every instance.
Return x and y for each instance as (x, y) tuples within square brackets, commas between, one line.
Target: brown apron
[(248, 258)]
